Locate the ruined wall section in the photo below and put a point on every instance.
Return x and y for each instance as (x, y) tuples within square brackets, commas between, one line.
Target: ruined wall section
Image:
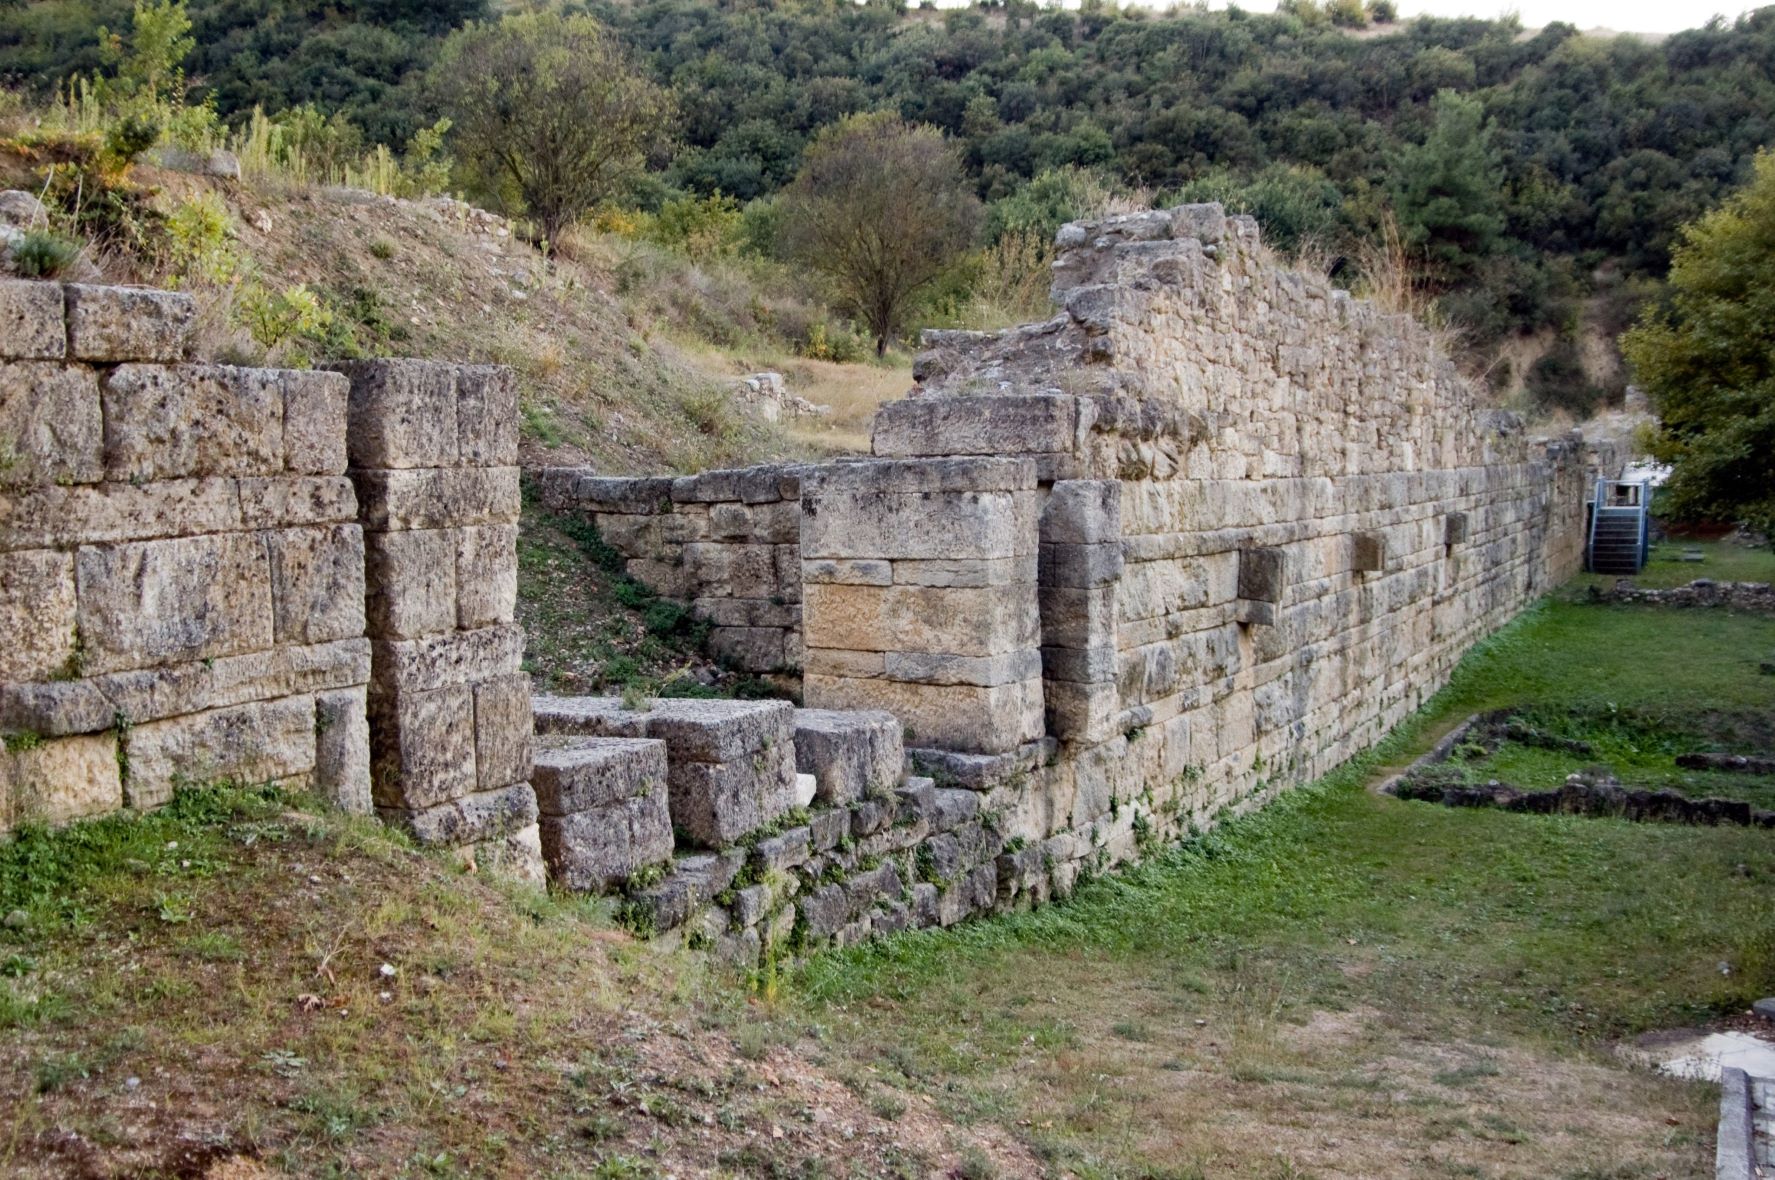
[(727, 543), (181, 568)]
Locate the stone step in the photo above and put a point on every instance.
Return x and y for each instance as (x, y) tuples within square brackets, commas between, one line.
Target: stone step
[(603, 809), (850, 754)]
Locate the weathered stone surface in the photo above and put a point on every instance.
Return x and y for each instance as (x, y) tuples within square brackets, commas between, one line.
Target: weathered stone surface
[(515, 855), (693, 730), (1083, 512), (165, 602), (486, 575), (317, 583), (439, 661), (266, 741), (1262, 574), (486, 416), (974, 719), (715, 803), (287, 502), (985, 671), (314, 405), (410, 579), (850, 754), (596, 850), (1368, 552), (1081, 565), (826, 828), (582, 774), (1454, 529), (43, 517), (503, 733), (467, 819), (422, 747), (966, 621), (91, 704), (342, 749), (127, 323), (916, 477), (918, 525), (51, 429), (164, 422), (38, 639), (986, 425), (54, 782), (31, 321), (402, 414), (437, 498)]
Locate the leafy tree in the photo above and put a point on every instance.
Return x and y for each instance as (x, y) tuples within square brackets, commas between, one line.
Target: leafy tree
[(1707, 359), (1448, 189), (882, 208), (548, 112)]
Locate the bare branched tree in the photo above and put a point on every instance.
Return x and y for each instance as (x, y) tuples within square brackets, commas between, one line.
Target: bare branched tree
[(883, 209), (548, 113)]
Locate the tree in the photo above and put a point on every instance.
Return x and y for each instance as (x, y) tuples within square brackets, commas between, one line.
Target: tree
[(1706, 357), (883, 209), (548, 113), (1449, 189)]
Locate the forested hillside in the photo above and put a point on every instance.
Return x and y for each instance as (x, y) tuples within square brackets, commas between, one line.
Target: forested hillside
[(1535, 179)]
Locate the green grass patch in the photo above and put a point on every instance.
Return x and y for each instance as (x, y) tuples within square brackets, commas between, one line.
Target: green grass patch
[(1665, 566)]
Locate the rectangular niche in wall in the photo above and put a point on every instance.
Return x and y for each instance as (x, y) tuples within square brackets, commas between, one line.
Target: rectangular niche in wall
[(1454, 529), (1263, 572), (1368, 552)]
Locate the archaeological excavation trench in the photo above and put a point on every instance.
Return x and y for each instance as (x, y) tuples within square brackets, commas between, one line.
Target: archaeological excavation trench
[(1202, 536)]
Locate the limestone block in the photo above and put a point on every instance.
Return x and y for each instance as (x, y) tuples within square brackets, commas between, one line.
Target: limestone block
[(317, 583), (1017, 424), (515, 855), (314, 415), (736, 571), (486, 416), (42, 517), (996, 571), (967, 621), (850, 754), (164, 602), (265, 741), (402, 414), (1262, 574), (127, 323), (1082, 512), (746, 612), (54, 782), (51, 430), (577, 774), (342, 749), (987, 720), (38, 640), (1075, 617), (715, 803), (846, 572), (437, 498), (784, 851), (168, 422), (694, 730), (1079, 665), (92, 704), (469, 819), (31, 321), (440, 661), (617, 495), (503, 731), (294, 500), (486, 575), (422, 747), (750, 649), (410, 583), (1081, 565), (597, 850), (942, 668), (1081, 712), (877, 524)]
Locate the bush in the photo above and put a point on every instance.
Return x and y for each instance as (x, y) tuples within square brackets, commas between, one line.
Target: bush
[(41, 254)]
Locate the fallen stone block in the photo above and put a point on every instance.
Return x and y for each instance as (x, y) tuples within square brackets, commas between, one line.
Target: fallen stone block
[(468, 819)]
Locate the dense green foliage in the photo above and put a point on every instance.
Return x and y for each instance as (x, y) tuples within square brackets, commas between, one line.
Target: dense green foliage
[(1708, 361), (1542, 194)]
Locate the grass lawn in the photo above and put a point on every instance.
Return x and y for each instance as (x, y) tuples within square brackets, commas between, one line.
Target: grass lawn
[(1349, 985), (1720, 561)]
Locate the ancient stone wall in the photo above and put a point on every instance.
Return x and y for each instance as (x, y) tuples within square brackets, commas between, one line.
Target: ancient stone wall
[(181, 568), (725, 542)]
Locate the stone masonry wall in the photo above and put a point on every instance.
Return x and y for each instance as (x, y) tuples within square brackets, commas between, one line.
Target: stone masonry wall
[(726, 542), (181, 568)]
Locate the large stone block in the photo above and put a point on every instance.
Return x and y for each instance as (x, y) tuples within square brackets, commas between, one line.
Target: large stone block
[(503, 731), (942, 668), (715, 803), (1263, 574), (314, 406), (266, 741), (422, 747), (166, 422), (342, 749), (114, 324), (32, 326), (402, 414), (38, 639), (878, 524), (486, 416), (1010, 424), (410, 583), (966, 621), (317, 583), (51, 428), (694, 730), (486, 575), (985, 720), (850, 754), (604, 810), (437, 498), (574, 774), (1083, 512), (442, 661), (285, 501), (1076, 617), (468, 819), (730, 570), (53, 516), (165, 602), (54, 782)]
